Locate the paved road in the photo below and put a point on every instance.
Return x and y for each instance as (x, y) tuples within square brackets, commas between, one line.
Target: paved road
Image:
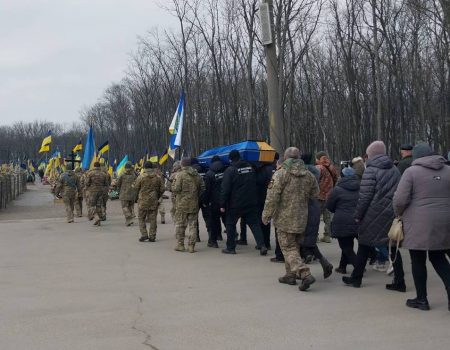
[(75, 286)]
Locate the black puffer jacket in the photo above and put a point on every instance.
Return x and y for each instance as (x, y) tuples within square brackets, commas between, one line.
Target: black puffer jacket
[(263, 176), (213, 183), (239, 186), (342, 202), (374, 210), (312, 227)]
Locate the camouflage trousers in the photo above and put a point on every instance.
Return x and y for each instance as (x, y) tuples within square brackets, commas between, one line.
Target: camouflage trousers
[(184, 220), (79, 206), (290, 246), (173, 211), (69, 203), (128, 209), (105, 198), (162, 211), (95, 204), (147, 215), (326, 216)]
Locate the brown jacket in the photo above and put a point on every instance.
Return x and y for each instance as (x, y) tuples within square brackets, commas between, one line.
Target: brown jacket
[(328, 177)]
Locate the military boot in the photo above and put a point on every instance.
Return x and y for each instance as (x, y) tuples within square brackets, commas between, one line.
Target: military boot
[(288, 279), (180, 247), (152, 238), (327, 267), (97, 221), (306, 283), (191, 248)]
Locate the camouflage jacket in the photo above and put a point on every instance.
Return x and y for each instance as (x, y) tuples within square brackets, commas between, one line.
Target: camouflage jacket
[(68, 185), (188, 186), (149, 187), (170, 185), (125, 186), (80, 193), (287, 197), (97, 180)]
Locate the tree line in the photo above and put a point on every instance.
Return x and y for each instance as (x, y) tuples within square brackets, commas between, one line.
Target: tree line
[(350, 72)]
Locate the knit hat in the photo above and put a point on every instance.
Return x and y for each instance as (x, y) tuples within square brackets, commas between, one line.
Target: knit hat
[(421, 150), (406, 147), (321, 154), (376, 148), (348, 171)]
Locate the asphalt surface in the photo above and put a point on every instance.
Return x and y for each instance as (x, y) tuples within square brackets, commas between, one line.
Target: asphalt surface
[(75, 286)]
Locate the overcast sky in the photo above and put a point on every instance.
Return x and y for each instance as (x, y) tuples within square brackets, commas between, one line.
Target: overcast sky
[(57, 56)]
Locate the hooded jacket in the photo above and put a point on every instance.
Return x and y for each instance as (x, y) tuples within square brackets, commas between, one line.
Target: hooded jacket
[(213, 183), (423, 200), (342, 202), (125, 185), (290, 190), (239, 189), (374, 210), (150, 187), (188, 188)]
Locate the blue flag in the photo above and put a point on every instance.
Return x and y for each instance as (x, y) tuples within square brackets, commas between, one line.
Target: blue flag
[(89, 150)]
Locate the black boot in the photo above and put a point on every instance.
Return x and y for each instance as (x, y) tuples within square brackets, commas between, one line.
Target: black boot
[(421, 304), (351, 281), (397, 286), (327, 267)]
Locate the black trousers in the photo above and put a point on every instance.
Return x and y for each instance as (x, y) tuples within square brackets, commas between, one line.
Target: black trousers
[(363, 254), (348, 255), (250, 215), (419, 269), (315, 251), (215, 223), (243, 226)]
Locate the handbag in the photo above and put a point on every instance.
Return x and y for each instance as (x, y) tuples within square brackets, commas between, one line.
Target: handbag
[(395, 234)]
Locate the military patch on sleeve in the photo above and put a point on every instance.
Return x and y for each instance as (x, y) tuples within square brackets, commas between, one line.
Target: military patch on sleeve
[(270, 184)]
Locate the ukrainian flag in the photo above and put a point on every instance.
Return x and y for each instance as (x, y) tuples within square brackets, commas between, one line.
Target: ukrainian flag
[(78, 147), (121, 166)]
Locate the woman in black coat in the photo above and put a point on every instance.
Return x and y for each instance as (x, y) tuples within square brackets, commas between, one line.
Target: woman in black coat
[(342, 202), (375, 213)]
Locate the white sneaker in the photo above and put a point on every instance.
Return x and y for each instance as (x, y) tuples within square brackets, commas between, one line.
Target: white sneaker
[(380, 267), (390, 270)]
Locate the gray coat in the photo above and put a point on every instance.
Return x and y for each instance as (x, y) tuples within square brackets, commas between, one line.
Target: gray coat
[(374, 210), (423, 200)]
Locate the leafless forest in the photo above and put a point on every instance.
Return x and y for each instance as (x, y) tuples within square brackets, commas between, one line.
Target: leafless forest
[(350, 71)]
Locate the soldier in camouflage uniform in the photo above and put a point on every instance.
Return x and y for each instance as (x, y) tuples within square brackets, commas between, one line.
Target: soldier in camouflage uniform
[(127, 193), (188, 186), (149, 187), (68, 184), (287, 204), (79, 196), (161, 207), (96, 182), (105, 196), (175, 168)]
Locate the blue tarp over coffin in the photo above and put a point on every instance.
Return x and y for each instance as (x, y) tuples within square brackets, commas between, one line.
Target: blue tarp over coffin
[(252, 151)]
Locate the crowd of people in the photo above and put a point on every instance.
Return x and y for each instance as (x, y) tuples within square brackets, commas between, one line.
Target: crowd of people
[(357, 202)]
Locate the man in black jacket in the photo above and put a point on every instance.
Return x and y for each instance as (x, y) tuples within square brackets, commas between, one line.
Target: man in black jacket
[(213, 183), (203, 207), (239, 199)]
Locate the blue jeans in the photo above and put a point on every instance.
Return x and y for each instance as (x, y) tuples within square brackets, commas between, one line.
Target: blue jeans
[(382, 254)]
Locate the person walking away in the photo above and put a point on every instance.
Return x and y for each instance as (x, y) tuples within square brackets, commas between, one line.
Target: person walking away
[(422, 200), (264, 173), (238, 199), (188, 187), (290, 189), (175, 168), (309, 249), (213, 184), (149, 188), (327, 180), (342, 203), (127, 194), (79, 194), (161, 207), (374, 213), (358, 166), (406, 155), (67, 187), (96, 182), (204, 208)]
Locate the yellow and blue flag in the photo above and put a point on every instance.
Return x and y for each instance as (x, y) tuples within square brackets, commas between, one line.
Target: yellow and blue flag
[(176, 127), (45, 146)]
